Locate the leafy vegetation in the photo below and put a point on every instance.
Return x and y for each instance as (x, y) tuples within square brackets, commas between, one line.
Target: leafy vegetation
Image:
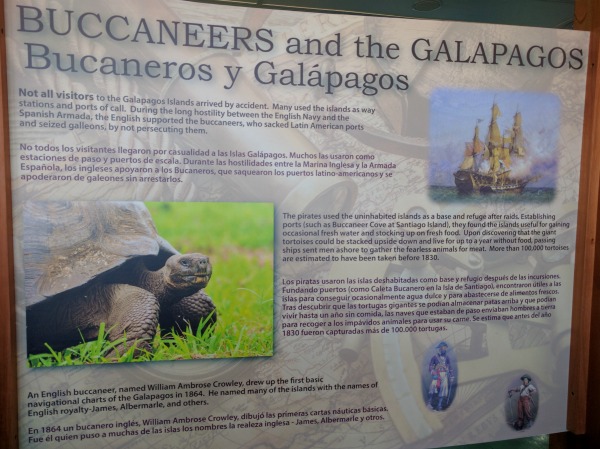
[(238, 238)]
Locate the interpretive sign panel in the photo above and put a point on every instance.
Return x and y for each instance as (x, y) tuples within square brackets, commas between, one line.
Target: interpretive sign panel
[(241, 227)]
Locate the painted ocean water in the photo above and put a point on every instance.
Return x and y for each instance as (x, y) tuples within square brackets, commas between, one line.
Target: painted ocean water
[(450, 194)]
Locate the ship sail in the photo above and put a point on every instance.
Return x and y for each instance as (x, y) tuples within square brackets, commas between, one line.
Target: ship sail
[(518, 141), (477, 144), (473, 151), (506, 149), (494, 137), (468, 163), (495, 160)]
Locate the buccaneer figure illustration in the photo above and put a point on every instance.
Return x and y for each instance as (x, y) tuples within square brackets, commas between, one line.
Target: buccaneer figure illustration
[(442, 379), (526, 404)]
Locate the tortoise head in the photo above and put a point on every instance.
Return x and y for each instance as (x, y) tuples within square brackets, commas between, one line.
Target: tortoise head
[(187, 271)]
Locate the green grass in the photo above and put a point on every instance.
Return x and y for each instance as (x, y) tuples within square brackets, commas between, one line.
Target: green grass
[(238, 238)]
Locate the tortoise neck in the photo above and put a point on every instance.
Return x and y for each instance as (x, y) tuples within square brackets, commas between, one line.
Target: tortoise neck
[(157, 283)]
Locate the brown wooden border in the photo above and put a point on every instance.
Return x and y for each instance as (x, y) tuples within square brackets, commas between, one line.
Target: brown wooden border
[(8, 366), (584, 387)]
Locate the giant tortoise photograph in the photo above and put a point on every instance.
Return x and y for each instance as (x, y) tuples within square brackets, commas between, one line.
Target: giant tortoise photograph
[(127, 281)]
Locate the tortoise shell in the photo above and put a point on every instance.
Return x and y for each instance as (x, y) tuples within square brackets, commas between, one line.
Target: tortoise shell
[(67, 244)]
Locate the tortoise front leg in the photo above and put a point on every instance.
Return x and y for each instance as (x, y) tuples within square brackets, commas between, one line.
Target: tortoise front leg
[(133, 313), (190, 311)]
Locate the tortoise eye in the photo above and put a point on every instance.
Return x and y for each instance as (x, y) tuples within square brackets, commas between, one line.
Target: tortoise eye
[(185, 262)]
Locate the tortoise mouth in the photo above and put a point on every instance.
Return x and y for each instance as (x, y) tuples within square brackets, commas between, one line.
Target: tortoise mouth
[(196, 279), (197, 274)]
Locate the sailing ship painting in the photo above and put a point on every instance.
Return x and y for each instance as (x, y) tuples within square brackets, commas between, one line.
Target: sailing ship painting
[(496, 154), (493, 146)]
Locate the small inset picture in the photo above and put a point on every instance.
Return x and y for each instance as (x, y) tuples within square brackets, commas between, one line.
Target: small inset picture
[(127, 281), (522, 403), (439, 377), (488, 145)]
